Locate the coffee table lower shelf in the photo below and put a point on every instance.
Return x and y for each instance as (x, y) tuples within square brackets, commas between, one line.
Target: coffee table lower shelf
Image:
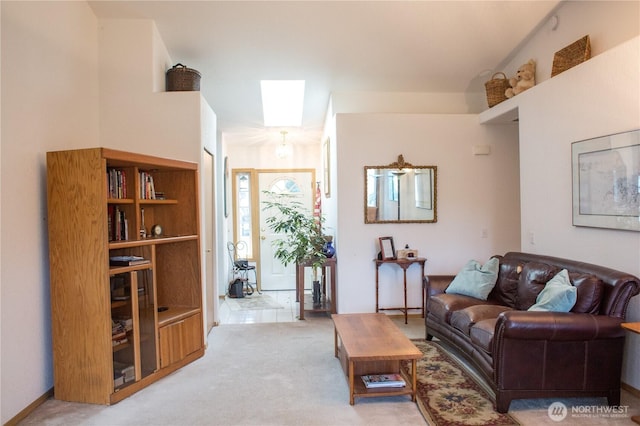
[(361, 391)]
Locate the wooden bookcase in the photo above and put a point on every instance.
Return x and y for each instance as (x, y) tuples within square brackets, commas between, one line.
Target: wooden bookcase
[(116, 329)]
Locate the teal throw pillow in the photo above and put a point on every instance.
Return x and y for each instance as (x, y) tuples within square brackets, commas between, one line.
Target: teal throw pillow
[(475, 280), (558, 295)]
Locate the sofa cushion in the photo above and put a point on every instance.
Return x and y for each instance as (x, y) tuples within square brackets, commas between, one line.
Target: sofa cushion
[(558, 294), (475, 280), (533, 278), (466, 318), (590, 293), (505, 291), (442, 305), (482, 334)]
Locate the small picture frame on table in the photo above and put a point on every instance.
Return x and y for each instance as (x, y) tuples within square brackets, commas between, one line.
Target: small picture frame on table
[(387, 249)]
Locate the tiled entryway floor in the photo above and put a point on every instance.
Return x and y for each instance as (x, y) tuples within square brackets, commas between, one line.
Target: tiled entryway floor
[(288, 313)]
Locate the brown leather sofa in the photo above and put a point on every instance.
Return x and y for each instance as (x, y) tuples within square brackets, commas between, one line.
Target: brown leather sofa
[(527, 354)]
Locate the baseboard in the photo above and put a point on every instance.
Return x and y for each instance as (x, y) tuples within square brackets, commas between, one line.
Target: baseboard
[(633, 391), (29, 409)]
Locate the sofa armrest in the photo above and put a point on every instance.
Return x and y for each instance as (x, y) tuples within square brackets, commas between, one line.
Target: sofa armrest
[(436, 284), (567, 326)]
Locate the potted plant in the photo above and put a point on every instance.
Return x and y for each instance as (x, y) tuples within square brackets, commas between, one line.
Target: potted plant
[(303, 241)]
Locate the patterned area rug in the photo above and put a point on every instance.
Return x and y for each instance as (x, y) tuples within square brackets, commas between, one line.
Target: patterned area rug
[(254, 302), (447, 393)]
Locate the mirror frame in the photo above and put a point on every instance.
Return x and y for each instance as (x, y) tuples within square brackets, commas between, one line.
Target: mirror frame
[(398, 165)]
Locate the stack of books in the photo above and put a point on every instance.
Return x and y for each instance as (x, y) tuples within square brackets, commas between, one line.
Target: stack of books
[(147, 188), (392, 380), (118, 334), (117, 223), (116, 183)]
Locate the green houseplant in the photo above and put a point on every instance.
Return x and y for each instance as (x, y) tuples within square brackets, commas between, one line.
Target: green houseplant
[(302, 240)]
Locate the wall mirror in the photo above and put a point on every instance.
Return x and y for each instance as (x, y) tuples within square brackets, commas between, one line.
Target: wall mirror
[(400, 193)]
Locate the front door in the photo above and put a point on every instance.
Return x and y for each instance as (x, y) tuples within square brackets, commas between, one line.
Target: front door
[(299, 184)]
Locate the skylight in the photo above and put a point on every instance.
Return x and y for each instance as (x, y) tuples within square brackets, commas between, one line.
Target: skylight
[(282, 102)]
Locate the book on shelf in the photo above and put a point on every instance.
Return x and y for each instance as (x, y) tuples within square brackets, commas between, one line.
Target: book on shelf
[(392, 380), (117, 223), (147, 188), (127, 260), (116, 183)]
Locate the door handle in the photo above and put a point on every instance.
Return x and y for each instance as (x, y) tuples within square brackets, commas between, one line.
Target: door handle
[(263, 238)]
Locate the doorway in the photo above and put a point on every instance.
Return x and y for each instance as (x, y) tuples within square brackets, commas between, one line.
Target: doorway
[(249, 218), (209, 238)]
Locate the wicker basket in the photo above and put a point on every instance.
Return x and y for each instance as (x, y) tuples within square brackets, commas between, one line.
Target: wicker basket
[(181, 78), (572, 55), (496, 88)]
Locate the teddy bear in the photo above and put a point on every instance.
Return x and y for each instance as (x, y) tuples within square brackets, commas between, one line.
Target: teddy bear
[(525, 78)]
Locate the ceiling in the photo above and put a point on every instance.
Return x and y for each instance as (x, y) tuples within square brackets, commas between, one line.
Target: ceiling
[(336, 46)]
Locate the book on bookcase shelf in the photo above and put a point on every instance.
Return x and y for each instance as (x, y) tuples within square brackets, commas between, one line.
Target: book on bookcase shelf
[(116, 183), (147, 188), (391, 380), (117, 223)]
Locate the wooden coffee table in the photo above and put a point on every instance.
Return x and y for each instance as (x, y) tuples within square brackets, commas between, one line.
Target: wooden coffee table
[(373, 344)]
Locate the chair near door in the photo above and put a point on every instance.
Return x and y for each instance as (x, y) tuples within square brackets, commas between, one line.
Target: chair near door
[(240, 267)]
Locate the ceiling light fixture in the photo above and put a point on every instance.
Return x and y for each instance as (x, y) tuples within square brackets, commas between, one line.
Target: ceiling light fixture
[(282, 102), (283, 150)]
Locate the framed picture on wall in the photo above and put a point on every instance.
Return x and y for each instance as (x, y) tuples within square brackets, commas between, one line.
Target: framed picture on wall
[(606, 181)]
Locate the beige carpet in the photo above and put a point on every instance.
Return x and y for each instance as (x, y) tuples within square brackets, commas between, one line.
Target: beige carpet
[(271, 374), (259, 374)]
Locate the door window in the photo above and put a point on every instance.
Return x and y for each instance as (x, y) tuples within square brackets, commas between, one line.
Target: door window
[(244, 211)]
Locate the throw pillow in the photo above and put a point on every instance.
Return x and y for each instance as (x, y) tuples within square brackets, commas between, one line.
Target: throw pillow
[(475, 280), (558, 295)]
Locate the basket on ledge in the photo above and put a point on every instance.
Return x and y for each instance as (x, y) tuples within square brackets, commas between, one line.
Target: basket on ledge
[(180, 78), (572, 55), (496, 88)]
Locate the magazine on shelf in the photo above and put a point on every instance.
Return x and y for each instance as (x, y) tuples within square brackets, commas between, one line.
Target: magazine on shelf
[(127, 260), (383, 381)]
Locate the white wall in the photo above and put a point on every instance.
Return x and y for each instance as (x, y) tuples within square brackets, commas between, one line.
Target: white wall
[(64, 86), (474, 193), (608, 23), (135, 113), (408, 102), (49, 102), (597, 98)]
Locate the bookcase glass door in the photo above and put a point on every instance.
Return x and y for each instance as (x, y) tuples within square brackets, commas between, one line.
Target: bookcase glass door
[(133, 326), (147, 316), (122, 329)]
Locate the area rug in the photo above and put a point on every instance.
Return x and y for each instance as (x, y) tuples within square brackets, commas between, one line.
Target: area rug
[(448, 395), (254, 302)]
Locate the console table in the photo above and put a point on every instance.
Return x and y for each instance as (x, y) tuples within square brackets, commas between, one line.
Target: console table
[(328, 303), (403, 263)]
